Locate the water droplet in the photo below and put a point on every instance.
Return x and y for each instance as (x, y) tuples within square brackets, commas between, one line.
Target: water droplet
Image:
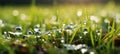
[(78, 46), (43, 39), (37, 28), (63, 25), (85, 23), (37, 36), (70, 27), (80, 37), (15, 33), (83, 50), (69, 32), (85, 29), (98, 32), (62, 41), (29, 33), (71, 24), (85, 32), (49, 34), (5, 33), (69, 47), (54, 28), (18, 33), (38, 33), (60, 30), (73, 47), (18, 28), (91, 52)]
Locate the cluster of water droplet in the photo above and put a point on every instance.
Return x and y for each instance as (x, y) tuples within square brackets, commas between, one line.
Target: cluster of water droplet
[(83, 48), (58, 36)]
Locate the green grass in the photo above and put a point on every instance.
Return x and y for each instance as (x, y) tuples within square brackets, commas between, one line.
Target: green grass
[(51, 20)]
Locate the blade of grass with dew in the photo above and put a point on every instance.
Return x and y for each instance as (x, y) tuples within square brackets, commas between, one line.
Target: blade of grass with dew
[(110, 34), (74, 33)]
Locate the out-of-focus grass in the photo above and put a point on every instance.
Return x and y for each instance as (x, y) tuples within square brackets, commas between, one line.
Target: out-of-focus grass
[(53, 18)]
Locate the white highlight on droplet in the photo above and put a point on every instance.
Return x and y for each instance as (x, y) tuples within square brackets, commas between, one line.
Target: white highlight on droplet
[(83, 50), (92, 52), (85, 32)]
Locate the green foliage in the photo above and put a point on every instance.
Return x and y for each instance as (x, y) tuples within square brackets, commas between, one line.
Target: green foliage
[(60, 25)]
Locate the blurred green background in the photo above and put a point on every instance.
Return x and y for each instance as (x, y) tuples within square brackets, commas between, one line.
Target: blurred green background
[(50, 2)]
